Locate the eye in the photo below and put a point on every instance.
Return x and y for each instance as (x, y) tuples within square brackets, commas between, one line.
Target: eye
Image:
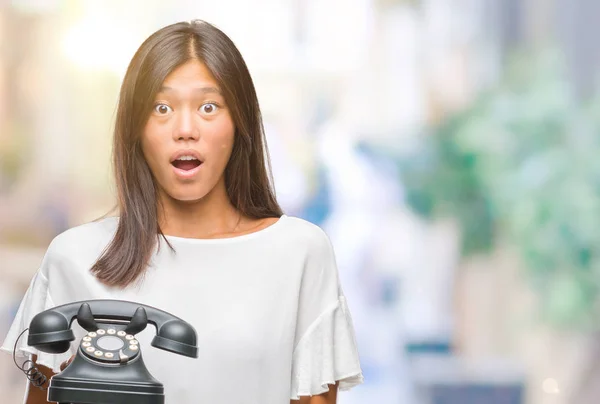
[(162, 109), (209, 108)]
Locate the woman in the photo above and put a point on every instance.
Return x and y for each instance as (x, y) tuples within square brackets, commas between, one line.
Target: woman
[(200, 235)]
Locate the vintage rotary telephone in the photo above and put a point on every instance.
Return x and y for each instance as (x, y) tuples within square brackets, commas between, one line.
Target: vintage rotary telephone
[(108, 367)]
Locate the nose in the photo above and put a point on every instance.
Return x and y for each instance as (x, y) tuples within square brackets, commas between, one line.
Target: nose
[(185, 128)]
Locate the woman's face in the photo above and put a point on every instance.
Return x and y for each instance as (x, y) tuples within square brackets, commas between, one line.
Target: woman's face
[(189, 136)]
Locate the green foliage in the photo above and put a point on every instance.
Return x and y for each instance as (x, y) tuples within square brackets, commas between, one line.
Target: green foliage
[(523, 164)]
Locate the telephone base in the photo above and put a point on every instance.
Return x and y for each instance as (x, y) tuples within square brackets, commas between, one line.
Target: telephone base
[(83, 392), (85, 382)]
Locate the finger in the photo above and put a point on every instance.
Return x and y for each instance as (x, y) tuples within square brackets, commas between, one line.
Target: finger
[(67, 363)]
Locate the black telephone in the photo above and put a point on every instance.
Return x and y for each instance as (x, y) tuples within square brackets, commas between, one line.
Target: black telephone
[(108, 367)]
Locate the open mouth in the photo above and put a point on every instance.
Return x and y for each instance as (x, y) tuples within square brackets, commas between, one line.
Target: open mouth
[(186, 165)]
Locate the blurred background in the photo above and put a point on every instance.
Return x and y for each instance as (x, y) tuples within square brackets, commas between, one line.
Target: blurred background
[(448, 147)]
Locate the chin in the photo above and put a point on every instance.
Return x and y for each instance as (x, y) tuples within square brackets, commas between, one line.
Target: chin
[(191, 199), (187, 197)]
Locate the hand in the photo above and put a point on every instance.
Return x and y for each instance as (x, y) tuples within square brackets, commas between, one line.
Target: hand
[(67, 363)]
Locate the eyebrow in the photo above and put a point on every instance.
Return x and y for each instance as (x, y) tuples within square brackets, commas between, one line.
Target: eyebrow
[(204, 90)]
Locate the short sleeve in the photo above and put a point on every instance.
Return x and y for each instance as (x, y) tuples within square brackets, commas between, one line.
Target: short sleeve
[(37, 299), (326, 351)]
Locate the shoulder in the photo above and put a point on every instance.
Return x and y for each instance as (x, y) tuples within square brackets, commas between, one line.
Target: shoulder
[(305, 233), (303, 228), (87, 238)]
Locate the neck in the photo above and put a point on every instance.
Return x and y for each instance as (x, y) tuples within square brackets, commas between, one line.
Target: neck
[(209, 217)]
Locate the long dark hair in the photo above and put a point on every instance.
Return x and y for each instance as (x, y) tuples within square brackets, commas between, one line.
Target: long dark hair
[(248, 176)]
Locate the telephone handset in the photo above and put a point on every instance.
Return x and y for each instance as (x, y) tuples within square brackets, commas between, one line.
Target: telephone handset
[(108, 366)]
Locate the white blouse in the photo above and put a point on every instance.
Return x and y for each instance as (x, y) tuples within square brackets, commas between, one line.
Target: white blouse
[(268, 308)]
